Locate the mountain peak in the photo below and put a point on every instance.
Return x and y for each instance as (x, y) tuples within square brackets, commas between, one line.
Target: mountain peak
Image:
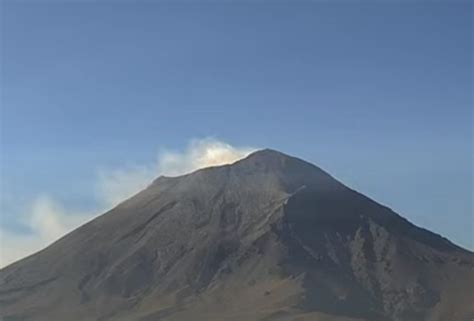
[(271, 159), (271, 234), (268, 153), (290, 171)]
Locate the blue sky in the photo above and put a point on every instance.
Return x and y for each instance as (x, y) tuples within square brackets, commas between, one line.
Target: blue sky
[(378, 94)]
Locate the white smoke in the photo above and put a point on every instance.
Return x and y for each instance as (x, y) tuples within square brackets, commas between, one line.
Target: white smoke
[(48, 220), (117, 185)]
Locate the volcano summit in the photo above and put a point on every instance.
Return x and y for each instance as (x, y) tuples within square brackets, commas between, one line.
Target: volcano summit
[(268, 238)]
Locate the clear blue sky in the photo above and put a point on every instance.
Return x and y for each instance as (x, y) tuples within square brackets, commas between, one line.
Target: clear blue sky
[(378, 94)]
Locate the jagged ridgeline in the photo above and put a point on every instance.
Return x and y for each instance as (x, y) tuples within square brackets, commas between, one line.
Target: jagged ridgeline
[(270, 237)]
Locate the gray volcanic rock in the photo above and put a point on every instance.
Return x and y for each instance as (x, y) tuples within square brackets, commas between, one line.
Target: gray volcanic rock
[(270, 238)]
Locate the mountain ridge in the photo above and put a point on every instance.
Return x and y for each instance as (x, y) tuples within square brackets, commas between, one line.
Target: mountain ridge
[(269, 237)]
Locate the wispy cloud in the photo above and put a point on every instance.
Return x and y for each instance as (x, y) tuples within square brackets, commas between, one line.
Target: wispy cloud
[(116, 185), (48, 220)]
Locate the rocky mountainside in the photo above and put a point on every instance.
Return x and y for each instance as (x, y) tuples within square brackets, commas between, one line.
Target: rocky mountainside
[(268, 238)]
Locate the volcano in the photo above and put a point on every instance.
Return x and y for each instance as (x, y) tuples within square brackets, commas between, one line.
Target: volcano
[(268, 238)]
